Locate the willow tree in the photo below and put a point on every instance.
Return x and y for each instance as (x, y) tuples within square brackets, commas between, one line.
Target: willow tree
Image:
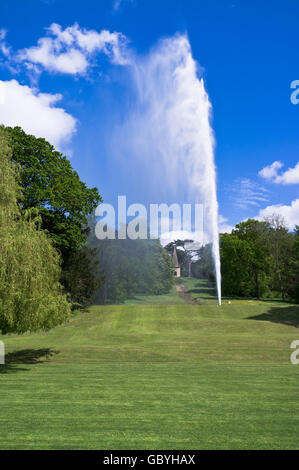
[(31, 296)]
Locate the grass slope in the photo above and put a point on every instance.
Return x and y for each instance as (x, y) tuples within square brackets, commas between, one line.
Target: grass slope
[(155, 376), (172, 298)]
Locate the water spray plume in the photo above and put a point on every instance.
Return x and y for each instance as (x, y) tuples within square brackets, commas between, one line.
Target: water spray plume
[(169, 126)]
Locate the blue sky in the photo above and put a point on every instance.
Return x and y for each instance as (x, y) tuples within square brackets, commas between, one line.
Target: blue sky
[(248, 54)]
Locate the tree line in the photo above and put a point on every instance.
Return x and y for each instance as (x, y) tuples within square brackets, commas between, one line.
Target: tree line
[(50, 260), (261, 259), (130, 267), (44, 264)]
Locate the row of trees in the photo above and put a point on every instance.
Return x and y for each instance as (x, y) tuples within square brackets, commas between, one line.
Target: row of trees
[(261, 259), (44, 263), (130, 267), (50, 259), (30, 294), (193, 261), (51, 187), (258, 259)]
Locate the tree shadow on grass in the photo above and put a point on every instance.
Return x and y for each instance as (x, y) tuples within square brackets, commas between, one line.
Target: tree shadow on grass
[(284, 315), (204, 290), (25, 356), (203, 297)]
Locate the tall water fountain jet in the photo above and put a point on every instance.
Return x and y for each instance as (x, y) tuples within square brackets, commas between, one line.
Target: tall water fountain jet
[(169, 129)]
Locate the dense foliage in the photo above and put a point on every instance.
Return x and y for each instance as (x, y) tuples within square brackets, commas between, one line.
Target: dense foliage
[(203, 266), (30, 293), (50, 184), (81, 277), (296, 264), (131, 267), (260, 259)]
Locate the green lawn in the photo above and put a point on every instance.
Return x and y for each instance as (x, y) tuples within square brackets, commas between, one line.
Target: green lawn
[(172, 298), (157, 376), (202, 291)]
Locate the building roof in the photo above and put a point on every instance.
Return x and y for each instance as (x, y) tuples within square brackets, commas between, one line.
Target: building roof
[(175, 258)]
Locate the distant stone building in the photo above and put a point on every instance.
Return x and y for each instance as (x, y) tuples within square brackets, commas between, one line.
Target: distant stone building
[(176, 266)]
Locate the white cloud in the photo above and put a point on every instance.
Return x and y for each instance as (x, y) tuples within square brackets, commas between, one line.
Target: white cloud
[(4, 48), (289, 213), (226, 228), (201, 238), (118, 3), (71, 50), (173, 235), (270, 171), (248, 193), (223, 226), (290, 176), (35, 112), (72, 61)]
